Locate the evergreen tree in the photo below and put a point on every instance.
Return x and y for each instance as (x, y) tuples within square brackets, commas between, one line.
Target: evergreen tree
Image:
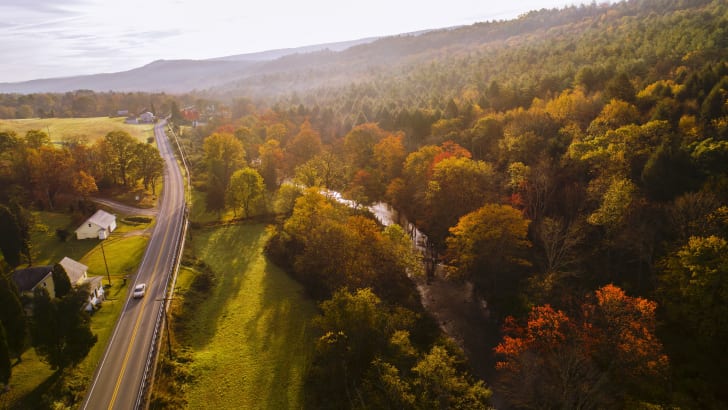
[(61, 282), (61, 329), (5, 367), (12, 316)]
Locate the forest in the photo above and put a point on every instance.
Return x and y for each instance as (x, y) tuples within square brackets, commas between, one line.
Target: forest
[(572, 166)]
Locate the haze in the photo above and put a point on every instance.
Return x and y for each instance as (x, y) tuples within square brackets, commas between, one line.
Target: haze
[(45, 39)]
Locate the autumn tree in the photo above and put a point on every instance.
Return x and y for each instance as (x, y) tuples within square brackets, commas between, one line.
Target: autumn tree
[(271, 162), (150, 165), (487, 245), (246, 187), (120, 150), (84, 185), (36, 139), (458, 185), (51, 172), (303, 146), (224, 154), (604, 356)]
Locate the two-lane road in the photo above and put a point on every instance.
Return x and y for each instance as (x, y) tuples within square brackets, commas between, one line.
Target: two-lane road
[(118, 377)]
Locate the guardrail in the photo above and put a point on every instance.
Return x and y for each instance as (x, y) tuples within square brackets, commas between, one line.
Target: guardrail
[(179, 242)]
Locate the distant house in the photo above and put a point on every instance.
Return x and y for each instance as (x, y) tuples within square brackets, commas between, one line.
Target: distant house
[(131, 120), (146, 118), (122, 113), (100, 221), (78, 275)]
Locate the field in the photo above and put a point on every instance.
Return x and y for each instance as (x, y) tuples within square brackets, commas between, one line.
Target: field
[(91, 128), (249, 337)]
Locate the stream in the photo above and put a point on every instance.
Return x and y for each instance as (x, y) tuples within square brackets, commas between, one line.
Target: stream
[(453, 303)]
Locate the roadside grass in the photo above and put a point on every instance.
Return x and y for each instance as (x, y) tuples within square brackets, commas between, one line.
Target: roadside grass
[(92, 128), (249, 336), (123, 255), (199, 214)]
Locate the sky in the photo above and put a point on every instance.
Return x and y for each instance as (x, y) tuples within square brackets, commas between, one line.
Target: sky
[(58, 38)]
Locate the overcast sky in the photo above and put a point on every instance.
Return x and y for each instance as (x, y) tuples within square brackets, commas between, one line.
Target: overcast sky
[(56, 38)]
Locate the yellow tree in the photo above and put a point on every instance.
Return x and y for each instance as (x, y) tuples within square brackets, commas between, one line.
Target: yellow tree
[(488, 245)]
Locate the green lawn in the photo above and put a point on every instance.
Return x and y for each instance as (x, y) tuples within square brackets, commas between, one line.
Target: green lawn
[(92, 128), (250, 339)]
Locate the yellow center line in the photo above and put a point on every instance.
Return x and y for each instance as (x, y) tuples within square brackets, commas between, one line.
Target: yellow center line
[(139, 316)]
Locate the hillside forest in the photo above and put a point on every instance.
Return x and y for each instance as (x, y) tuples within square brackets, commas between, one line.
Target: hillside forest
[(572, 165)]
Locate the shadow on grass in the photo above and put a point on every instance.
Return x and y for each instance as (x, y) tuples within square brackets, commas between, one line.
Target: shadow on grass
[(252, 327), (289, 341), (34, 398), (228, 251)]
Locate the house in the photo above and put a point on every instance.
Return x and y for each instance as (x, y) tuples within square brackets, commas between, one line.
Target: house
[(146, 118), (122, 113), (78, 275), (101, 221), (29, 279), (131, 120)]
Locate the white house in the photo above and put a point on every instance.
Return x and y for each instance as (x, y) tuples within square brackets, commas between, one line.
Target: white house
[(100, 221), (78, 275), (146, 118)]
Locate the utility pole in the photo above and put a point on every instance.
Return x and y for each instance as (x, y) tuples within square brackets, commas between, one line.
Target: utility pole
[(102, 236)]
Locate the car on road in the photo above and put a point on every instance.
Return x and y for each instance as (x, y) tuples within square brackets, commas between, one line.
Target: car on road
[(140, 290)]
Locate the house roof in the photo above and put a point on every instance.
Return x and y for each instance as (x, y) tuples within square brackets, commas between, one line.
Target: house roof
[(26, 279), (100, 218), (74, 270)]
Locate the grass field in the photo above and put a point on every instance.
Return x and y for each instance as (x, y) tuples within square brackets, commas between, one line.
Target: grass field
[(250, 338), (91, 128)]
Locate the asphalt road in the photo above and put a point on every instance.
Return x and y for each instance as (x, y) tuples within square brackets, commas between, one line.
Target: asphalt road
[(118, 377)]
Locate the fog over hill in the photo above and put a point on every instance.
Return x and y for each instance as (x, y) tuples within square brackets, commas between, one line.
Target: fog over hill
[(268, 73)]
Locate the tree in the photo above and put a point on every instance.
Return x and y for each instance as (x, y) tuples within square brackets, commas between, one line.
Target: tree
[(359, 144), (438, 384), (271, 162), (224, 154), (15, 240), (5, 367), (61, 329), (488, 246), (246, 186), (120, 149), (303, 146), (150, 165), (61, 282), (36, 139), (12, 316), (458, 185), (603, 357), (84, 184), (50, 172)]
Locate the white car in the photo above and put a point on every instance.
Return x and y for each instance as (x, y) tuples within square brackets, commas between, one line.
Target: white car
[(139, 290)]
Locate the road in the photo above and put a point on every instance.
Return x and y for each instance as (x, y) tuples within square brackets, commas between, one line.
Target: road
[(117, 380)]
